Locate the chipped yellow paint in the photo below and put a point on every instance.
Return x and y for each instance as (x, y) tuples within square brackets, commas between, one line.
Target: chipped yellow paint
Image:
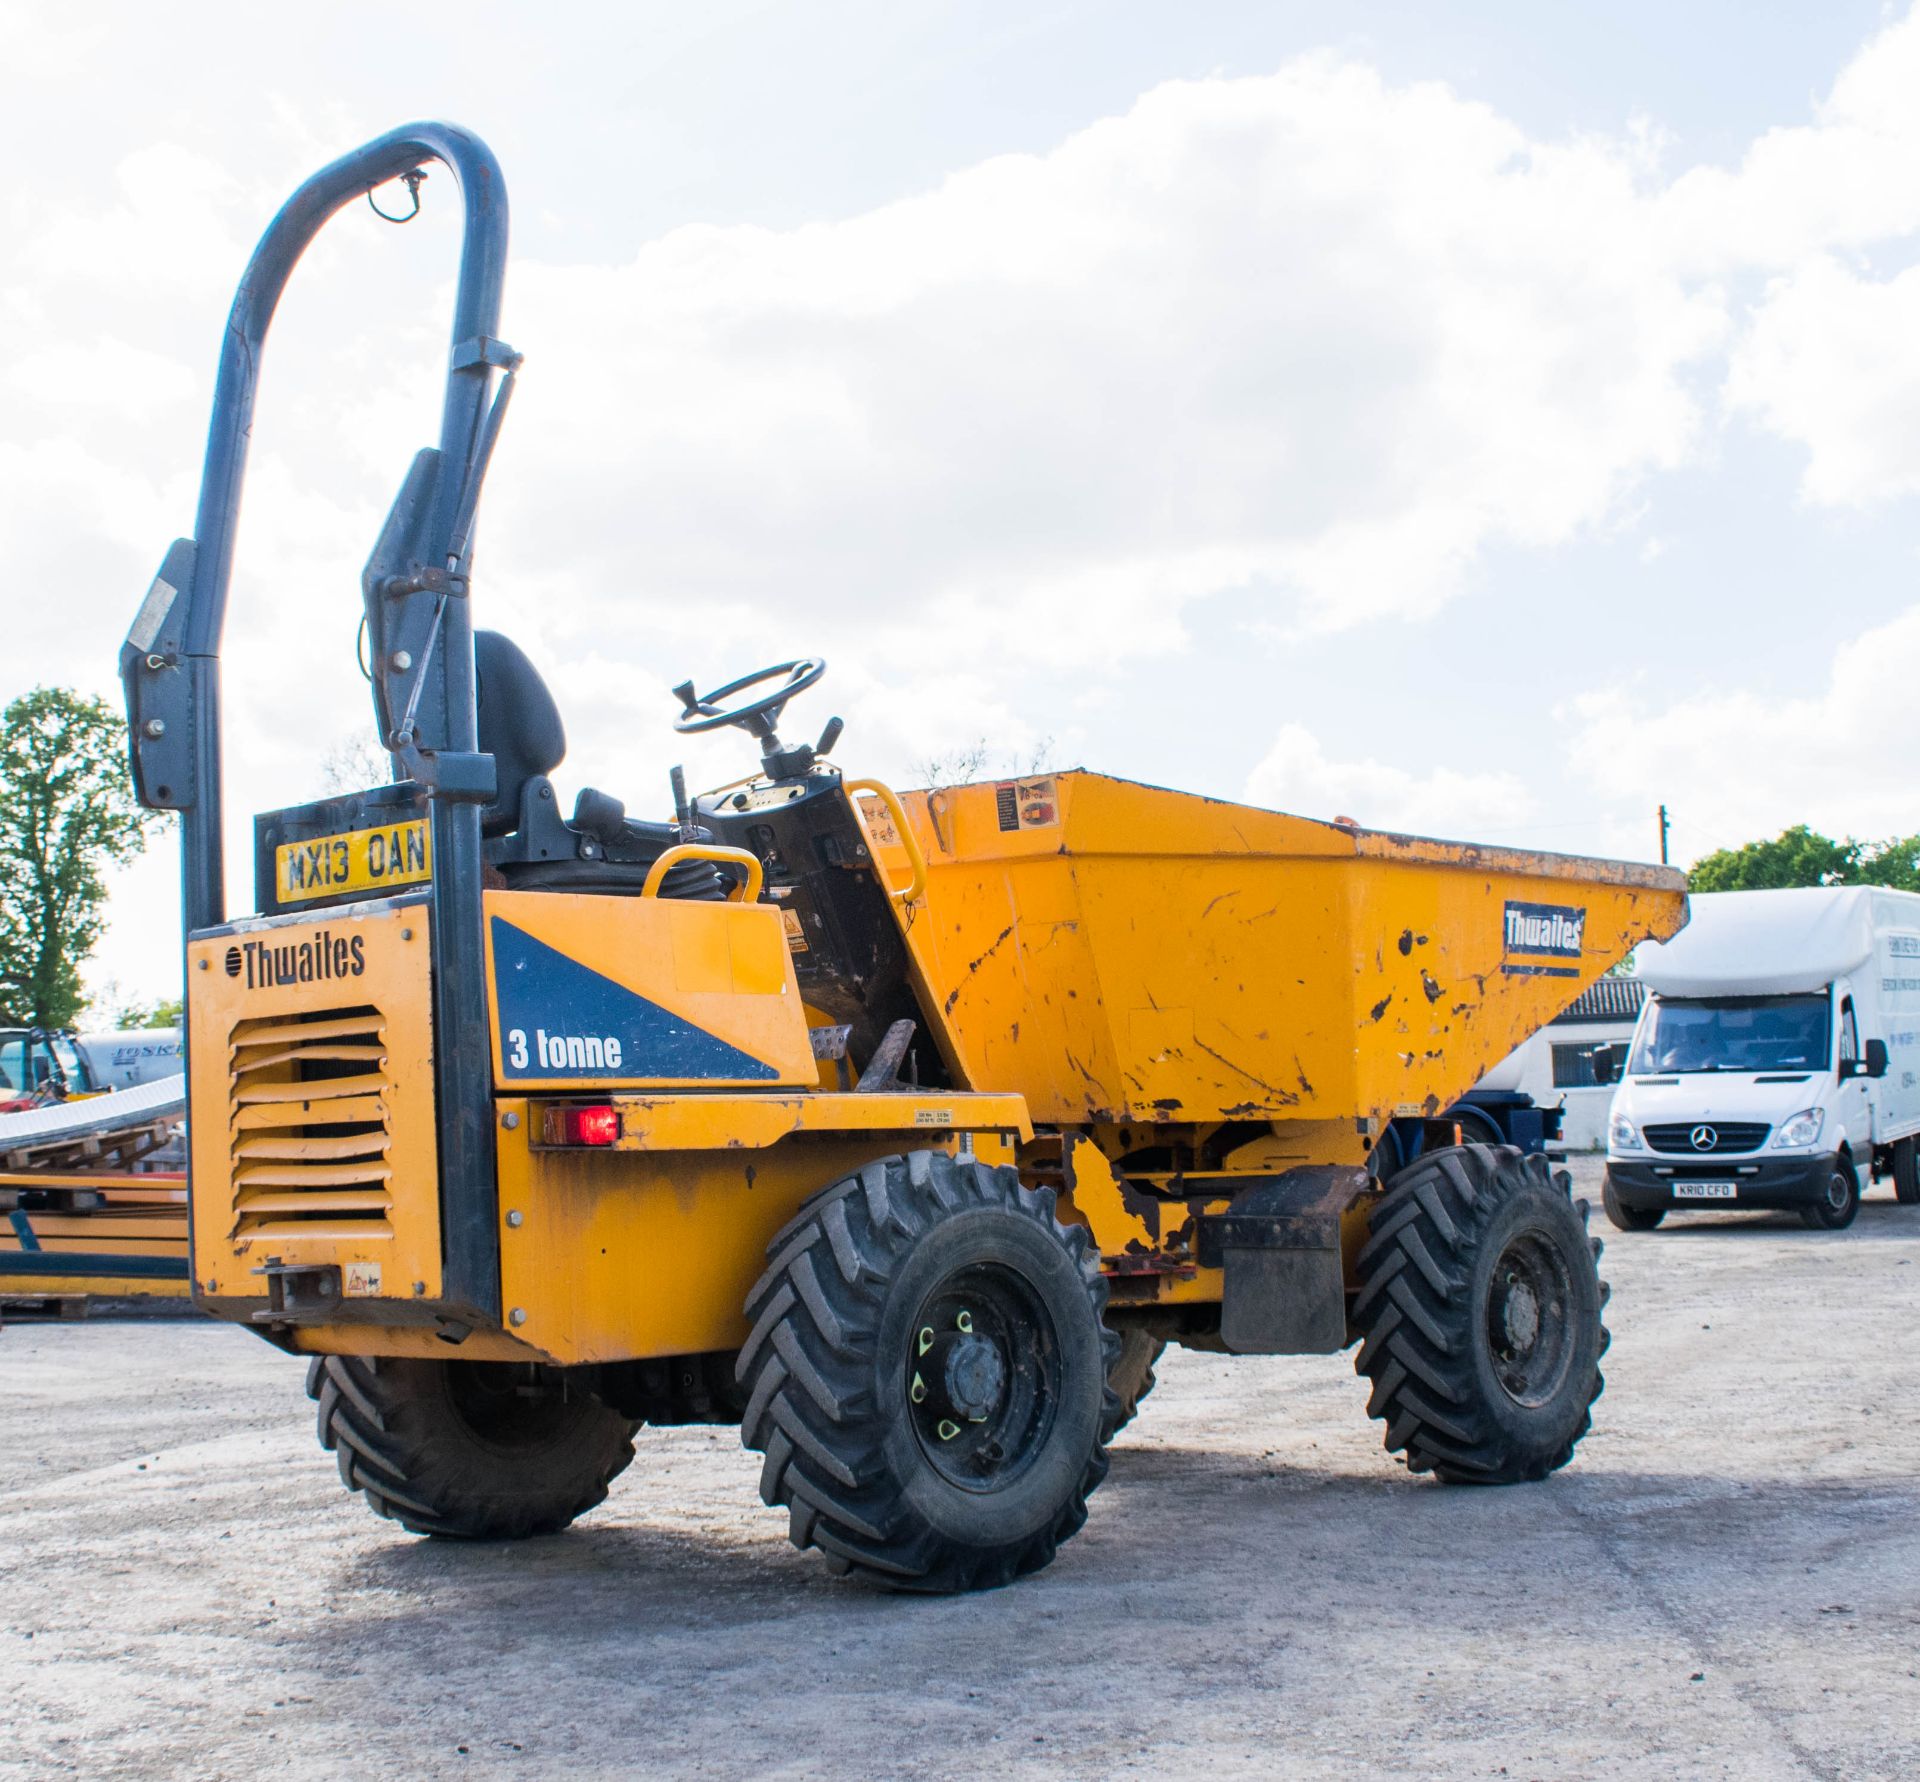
[(755, 1120), (1160, 957)]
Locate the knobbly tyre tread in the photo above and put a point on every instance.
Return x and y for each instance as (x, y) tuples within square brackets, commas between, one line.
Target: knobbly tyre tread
[(390, 1438), (1416, 1323), (1133, 1375), (1906, 1171), (809, 1369)]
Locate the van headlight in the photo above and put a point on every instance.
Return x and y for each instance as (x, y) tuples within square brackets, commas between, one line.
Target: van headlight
[(1622, 1134), (1802, 1129)]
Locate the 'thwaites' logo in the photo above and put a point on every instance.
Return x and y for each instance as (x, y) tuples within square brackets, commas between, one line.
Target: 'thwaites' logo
[(269, 964), (1555, 929)]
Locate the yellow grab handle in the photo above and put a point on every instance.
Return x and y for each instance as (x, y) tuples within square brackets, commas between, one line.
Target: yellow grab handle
[(916, 886), (683, 851)]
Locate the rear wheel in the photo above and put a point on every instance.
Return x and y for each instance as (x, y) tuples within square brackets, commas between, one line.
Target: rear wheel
[(1132, 1377), (927, 1375), (1838, 1206), (1626, 1218), (1906, 1171), (1479, 1310), (481, 1449)]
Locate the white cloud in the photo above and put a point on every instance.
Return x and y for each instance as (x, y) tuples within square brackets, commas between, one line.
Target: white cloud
[(1847, 179), (1296, 776), (1832, 362), (1744, 763), (1307, 333)]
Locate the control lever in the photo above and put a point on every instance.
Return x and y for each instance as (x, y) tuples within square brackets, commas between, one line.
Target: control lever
[(829, 736)]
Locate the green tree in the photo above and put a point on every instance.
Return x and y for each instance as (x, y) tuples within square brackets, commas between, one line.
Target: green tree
[(1803, 856), (66, 811), (167, 1013)]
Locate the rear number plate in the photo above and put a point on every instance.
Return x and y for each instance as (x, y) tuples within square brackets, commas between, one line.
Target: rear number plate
[(1706, 1191), (361, 860)]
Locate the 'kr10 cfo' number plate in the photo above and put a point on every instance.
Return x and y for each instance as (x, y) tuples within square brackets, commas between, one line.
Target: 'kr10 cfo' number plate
[(361, 860)]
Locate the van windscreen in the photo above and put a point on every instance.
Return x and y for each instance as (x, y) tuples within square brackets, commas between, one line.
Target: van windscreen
[(1732, 1033)]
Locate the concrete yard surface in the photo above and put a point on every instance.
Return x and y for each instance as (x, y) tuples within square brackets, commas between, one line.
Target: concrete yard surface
[(1726, 1582)]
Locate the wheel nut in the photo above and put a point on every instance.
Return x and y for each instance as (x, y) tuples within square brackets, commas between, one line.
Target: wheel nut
[(947, 1429), (964, 1323), (918, 1390), (926, 1338)]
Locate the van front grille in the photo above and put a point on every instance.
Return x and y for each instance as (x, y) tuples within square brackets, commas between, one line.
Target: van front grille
[(1707, 1136), (308, 1125)]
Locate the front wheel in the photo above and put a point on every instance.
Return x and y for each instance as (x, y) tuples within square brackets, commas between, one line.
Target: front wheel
[(487, 1450), (1839, 1205), (1479, 1312), (927, 1375), (1626, 1218)]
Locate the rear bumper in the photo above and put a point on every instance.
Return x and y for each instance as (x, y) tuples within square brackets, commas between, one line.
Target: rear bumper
[(1760, 1182)]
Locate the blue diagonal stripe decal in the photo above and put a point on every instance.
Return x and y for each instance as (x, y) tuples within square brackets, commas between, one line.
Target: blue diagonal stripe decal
[(559, 1018)]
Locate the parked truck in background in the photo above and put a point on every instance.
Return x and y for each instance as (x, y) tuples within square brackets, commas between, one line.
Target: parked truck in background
[(127, 1058), (1777, 1058)]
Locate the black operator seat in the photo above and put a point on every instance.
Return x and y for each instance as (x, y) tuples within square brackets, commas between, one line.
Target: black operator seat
[(525, 839), (519, 725)]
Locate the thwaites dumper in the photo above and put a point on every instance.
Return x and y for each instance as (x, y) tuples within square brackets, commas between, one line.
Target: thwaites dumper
[(900, 1132)]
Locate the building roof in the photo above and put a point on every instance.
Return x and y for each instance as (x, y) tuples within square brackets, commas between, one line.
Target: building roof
[(1606, 999)]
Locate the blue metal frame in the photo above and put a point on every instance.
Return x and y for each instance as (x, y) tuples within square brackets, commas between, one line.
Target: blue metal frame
[(171, 662)]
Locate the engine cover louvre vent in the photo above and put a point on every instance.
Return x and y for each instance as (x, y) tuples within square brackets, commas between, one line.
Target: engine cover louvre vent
[(308, 1129)]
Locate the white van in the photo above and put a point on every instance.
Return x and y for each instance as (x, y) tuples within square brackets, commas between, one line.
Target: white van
[(1778, 1056)]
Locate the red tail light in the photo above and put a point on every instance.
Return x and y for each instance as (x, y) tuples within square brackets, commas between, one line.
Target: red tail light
[(583, 1126)]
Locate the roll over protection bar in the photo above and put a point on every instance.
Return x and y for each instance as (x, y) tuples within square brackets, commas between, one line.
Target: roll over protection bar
[(419, 630)]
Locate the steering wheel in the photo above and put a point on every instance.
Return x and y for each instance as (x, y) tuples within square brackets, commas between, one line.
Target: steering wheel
[(707, 711)]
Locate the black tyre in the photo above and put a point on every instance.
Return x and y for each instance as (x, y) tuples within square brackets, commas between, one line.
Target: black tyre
[(927, 1375), (1132, 1377), (1477, 1127), (1625, 1218), (1840, 1205), (479, 1449), (1479, 1311), (1906, 1172)]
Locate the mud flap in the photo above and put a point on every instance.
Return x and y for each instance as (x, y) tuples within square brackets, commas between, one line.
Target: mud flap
[(1279, 1246)]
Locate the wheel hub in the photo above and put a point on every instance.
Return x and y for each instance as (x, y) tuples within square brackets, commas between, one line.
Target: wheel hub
[(973, 1376), (982, 1371), (1529, 1305), (1520, 1316)]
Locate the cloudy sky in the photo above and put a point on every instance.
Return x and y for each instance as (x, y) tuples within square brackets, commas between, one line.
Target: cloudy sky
[(1484, 419)]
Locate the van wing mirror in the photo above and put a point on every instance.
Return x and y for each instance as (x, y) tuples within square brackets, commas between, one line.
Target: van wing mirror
[(1606, 1065), (1876, 1060)]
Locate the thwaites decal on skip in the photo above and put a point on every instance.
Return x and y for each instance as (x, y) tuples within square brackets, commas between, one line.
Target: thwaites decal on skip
[(1539, 934)]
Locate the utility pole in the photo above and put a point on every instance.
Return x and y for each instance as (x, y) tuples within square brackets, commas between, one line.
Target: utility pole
[(1664, 827)]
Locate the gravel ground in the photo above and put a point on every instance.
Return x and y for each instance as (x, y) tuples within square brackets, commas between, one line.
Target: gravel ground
[(1725, 1583)]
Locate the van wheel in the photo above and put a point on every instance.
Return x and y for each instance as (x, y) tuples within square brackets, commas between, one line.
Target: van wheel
[(1837, 1210), (1626, 1218), (927, 1375), (1479, 1312), (1906, 1172), (488, 1450)]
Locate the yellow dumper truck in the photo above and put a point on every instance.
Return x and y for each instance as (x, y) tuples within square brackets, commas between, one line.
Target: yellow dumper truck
[(901, 1131)]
